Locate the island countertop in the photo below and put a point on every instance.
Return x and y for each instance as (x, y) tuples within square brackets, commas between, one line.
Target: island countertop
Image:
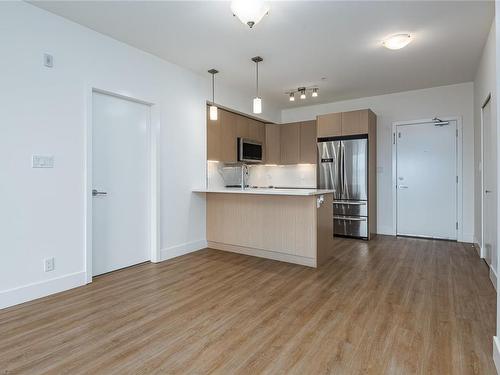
[(266, 191)]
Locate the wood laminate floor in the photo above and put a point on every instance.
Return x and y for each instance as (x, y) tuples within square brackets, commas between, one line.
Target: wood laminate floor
[(390, 306)]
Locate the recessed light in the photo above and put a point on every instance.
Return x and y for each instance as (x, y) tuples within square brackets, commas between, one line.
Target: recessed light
[(397, 41)]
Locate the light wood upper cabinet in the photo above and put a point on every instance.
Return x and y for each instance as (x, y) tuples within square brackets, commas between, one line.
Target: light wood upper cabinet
[(329, 125), (355, 122), (273, 144), (308, 142), (228, 125), (290, 143), (213, 138), (242, 127)]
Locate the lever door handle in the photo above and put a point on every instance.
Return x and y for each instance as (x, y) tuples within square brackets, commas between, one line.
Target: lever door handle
[(96, 193), (488, 191), (403, 187)]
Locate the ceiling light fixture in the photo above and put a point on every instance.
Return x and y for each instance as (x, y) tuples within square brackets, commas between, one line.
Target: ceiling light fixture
[(250, 12), (257, 101), (302, 91), (397, 41), (213, 108)]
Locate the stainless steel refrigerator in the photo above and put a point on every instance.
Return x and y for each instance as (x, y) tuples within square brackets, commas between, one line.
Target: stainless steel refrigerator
[(343, 167)]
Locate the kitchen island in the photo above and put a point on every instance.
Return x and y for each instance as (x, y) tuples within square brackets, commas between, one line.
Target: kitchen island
[(290, 225)]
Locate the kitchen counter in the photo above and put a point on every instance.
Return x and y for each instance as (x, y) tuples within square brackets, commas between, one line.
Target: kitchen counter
[(289, 225), (266, 191)]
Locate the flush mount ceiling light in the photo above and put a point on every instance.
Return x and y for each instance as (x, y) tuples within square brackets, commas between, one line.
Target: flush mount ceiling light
[(397, 41), (213, 107), (257, 101), (250, 12)]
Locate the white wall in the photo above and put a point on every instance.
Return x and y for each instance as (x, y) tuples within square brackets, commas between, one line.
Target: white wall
[(484, 85), (43, 111), (454, 100)]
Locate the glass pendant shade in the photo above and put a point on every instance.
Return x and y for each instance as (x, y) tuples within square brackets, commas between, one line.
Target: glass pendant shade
[(213, 113), (257, 105)]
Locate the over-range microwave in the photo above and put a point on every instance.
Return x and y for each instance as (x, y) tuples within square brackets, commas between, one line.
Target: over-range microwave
[(249, 150)]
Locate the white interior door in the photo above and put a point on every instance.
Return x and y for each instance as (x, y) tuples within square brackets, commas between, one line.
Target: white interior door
[(120, 207), (489, 184), (426, 178)]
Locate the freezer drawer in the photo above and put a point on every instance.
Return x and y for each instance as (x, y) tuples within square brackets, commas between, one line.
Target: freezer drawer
[(353, 226), (350, 208)]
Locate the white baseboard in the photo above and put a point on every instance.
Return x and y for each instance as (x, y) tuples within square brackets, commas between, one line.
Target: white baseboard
[(496, 353), (493, 277), (25, 293), (467, 238), (178, 250), (385, 230)]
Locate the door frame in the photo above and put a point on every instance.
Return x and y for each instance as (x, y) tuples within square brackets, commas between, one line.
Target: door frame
[(153, 191), (481, 169), (458, 160)]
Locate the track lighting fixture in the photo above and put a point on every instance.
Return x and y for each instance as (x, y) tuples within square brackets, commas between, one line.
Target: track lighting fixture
[(302, 91)]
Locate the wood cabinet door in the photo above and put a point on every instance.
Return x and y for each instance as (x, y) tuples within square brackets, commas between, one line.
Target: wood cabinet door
[(228, 122), (329, 125), (290, 143), (213, 137), (355, 122), (308, 142), (273, 149), (242, 127)]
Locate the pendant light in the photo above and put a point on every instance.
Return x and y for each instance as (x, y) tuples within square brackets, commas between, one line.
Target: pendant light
[(213, 108), (257, 101)]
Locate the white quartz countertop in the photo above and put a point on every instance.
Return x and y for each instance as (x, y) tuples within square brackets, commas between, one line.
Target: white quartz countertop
[(266, 191)]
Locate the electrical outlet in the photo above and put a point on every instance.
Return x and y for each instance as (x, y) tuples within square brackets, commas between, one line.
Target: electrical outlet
[(50, 264)]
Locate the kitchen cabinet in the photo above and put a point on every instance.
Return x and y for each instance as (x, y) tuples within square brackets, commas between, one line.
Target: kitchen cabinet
[(273, 144), (228, 124), (222, 135), (290, 143), (355, 122), (308, 142), (344, 123), (329, 125)]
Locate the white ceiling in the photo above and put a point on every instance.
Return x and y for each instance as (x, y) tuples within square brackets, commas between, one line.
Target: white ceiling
[(302, 41)]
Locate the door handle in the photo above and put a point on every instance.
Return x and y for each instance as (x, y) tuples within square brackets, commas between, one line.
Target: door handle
[(96, 193), (488, 191), (403, 187)]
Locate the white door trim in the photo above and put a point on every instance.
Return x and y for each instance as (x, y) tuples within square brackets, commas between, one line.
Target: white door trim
[(459, 162), (481, 169), (154, 175)]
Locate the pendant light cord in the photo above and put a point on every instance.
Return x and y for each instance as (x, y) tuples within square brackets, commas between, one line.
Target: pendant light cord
[(257, 79), (213, 88)]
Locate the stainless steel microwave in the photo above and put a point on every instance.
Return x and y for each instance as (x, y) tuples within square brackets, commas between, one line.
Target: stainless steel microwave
[(249, 150)]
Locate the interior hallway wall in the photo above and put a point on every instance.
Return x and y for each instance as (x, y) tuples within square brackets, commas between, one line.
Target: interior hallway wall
[(453, 100), (43, 111), (484, 85)]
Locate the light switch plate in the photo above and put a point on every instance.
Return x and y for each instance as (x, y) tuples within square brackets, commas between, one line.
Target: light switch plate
[(42, 161), (49, 264)]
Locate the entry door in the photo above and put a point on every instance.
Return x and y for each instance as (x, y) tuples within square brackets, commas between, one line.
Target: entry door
[(489, 184), (120, 131), (427, 180)]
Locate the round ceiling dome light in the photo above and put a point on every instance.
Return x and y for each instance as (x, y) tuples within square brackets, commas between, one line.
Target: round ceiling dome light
[(397, 41), (250, 12)]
